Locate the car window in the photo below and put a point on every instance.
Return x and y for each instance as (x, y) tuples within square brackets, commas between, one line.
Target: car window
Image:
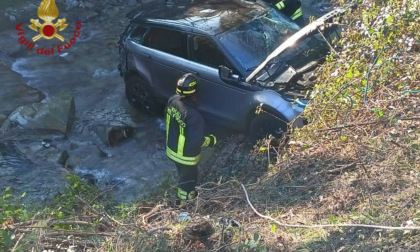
[(138, 34), (204, 51), (166, 40)]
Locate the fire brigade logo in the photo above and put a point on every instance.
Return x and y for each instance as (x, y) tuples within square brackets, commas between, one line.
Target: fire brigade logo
[(48, 11)]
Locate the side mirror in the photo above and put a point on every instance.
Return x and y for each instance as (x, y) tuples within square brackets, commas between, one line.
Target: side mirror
[(225, 73)]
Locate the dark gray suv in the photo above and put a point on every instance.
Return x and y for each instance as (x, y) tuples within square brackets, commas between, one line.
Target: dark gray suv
[(248, 58)]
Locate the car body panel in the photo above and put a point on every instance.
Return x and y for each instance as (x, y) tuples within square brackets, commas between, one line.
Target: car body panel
[(231, 103), (161, 69)]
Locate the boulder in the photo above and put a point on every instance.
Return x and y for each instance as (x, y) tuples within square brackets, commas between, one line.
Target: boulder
[(198, 230), (14, 92), (26, 165), (113, 134), (57, 114)]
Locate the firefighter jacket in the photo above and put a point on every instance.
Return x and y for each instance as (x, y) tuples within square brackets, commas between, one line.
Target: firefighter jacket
[(291, 8), (184, 131)]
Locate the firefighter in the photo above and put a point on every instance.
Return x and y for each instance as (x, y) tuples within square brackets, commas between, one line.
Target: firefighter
[(292, 9), (185, 135)]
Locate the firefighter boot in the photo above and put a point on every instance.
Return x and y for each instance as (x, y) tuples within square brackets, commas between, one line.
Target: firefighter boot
[(183, 195)]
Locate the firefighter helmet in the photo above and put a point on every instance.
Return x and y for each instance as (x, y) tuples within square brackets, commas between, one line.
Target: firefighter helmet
[(186, 85)]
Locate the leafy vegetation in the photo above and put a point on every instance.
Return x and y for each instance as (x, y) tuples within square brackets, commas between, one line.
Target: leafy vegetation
[(356, 162)]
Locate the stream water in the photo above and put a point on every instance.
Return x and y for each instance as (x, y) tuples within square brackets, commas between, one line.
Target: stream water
[(87, 71)]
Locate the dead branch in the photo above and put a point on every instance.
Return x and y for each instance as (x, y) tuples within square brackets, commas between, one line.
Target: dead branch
[(410, 118), (61, 232), (322, 225), (78, 233), (69, 222), (155, 230), (105, 191), (25, 223), (88, 205), (341, 169), (30, 224), (105, 214), (329, 44), (216, 185), (17, 242), (150, 214), (351, 125), (225, 198), (19, 230), (81, 243), (367, 123)]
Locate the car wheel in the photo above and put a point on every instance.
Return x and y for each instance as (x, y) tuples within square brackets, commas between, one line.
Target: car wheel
[(140, 95), (264, 124)]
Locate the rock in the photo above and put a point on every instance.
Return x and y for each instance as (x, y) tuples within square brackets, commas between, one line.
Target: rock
[(131, 2), (104, 153), (58, 114), (25, 166), (112, 135), (105, 73), (184, 216), (2, 119), (198, 229), (63, 158), (14, 93)]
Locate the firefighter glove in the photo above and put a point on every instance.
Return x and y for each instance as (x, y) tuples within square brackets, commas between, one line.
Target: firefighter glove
[(212, 140), (209, 141)]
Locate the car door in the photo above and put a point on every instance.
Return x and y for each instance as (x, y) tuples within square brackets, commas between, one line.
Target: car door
[(219, 101), (166, 55)]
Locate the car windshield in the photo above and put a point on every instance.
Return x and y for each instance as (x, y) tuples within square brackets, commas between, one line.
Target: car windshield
[(249, 44)]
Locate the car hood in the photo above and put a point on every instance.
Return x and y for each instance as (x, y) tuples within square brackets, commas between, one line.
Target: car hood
[(306, 31)]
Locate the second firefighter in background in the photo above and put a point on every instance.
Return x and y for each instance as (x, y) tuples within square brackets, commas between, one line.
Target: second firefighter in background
[(185, 135), (291, 8)]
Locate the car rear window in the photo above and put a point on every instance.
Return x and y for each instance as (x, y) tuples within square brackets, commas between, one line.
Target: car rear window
[(138, 34), (166, 40)]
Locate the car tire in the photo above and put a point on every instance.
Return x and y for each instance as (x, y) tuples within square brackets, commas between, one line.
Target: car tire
[(140, 96), (264, 124)]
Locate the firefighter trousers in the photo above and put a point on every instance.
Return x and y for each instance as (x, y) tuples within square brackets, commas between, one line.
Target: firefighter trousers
[(188, 175)]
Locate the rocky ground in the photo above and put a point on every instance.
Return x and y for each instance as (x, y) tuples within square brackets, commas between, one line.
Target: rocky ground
[(68, 111)]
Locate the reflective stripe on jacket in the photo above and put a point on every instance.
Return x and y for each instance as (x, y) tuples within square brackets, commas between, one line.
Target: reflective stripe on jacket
[(291, 8), (184, 131)]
